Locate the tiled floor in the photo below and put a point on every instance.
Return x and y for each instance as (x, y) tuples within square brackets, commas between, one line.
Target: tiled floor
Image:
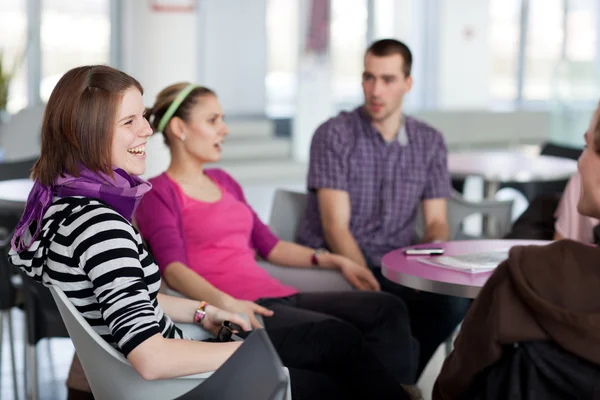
[(53, 370)]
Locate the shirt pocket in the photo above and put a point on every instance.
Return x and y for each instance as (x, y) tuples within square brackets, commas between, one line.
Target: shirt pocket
[(407, 192)]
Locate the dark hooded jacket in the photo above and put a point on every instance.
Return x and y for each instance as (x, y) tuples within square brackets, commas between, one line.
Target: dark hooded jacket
[(534, 330)]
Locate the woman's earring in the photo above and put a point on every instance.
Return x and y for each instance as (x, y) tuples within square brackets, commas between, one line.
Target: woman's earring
[(183, 138)]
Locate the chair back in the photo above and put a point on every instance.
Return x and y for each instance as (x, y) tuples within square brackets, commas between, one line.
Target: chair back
[(109, 373), (499, 212), (111, 376), (557, 150), (286, 214), (17, 169), (240, 378), (7, 290)]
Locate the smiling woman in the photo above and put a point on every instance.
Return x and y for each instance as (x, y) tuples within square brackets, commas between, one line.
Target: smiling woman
[(76, 232), (87, 106), (131, 134)]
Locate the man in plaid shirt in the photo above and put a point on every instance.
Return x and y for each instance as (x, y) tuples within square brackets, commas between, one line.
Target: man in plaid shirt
[(370, 170)]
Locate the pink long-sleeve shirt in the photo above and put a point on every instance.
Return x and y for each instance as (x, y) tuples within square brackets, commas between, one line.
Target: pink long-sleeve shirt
[(217, 240)]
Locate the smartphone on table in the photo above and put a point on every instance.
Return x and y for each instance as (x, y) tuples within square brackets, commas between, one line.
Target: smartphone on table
[(424, 251)]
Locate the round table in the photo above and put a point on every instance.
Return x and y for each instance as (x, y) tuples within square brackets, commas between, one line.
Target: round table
[(512, 166), (14, 193), (496, 167), (410, 272)]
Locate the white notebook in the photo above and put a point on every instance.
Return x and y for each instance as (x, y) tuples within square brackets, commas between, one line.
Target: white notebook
[(471, 263)]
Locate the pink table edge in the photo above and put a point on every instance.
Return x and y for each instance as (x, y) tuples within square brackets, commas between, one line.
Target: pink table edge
[(410, 272)]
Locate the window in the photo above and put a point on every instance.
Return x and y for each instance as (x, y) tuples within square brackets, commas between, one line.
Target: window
[(348, 44), (543, 48), (73, 33), (579, 74), (504, 41), (282, 56), (13, 43), (384, 19)]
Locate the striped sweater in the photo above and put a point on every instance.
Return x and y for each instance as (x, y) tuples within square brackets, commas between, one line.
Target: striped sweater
[(97, 258)]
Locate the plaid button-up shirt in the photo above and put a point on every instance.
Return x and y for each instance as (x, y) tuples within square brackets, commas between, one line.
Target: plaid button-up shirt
[(385, 181)]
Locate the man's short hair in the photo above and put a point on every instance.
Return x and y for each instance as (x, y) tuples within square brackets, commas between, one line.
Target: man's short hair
[(389, 47)]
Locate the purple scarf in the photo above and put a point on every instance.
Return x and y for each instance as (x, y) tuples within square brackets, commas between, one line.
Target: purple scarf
[(123, 193)]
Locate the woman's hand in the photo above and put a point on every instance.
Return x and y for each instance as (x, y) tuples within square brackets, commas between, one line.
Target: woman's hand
[(214, 317), (358, 276), (248, 309)]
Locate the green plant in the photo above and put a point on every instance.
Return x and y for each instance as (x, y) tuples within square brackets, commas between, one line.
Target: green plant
[(5, 78)]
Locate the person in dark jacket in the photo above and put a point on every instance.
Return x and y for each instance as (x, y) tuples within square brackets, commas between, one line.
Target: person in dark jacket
[(534, 330)]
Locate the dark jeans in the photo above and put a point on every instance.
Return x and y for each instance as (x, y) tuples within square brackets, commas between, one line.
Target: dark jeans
[(433, 317), (365, 339)]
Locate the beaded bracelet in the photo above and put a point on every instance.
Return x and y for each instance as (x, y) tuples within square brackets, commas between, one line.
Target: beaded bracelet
[(200, 313)]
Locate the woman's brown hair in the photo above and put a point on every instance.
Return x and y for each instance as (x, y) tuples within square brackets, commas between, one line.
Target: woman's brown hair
[(79, 121), (167, 96)]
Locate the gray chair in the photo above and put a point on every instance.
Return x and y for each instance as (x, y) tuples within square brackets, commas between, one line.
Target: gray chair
[(286, 213), (497, 212), (112, 377)]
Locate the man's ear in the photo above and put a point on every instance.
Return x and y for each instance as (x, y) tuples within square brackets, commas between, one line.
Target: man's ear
[(409, 83)]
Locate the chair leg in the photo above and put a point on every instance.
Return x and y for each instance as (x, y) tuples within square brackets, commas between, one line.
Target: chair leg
[(1, 340), (32, 355), (1, 343), (11, 340), (50, 357), (26, 390)]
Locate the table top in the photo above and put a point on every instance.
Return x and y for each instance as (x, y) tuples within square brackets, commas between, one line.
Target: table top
[(15, 190), (510, 166), (409, 271)]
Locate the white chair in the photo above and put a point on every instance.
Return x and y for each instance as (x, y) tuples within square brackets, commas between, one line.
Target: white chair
[(112, 377)]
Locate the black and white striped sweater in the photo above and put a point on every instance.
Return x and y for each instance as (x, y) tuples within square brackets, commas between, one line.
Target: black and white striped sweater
[(97, 258)]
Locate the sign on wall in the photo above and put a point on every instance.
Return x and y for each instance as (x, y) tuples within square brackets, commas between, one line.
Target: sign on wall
[(182, 6)]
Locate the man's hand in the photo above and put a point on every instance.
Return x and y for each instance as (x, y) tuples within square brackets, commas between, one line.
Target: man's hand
[(358, 276)]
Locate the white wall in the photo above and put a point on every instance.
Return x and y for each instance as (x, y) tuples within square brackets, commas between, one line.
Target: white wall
[(159, 48), (222, 45), (450, 69), (233, 54), (464, 61), (314, 98)]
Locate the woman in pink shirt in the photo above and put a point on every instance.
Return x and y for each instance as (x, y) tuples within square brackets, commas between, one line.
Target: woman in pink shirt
[(204, 237)]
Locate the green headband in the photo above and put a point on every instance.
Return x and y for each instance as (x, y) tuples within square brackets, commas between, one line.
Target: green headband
[(175, 105)]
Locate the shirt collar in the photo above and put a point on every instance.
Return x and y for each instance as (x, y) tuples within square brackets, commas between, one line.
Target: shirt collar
[(401, 136)]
